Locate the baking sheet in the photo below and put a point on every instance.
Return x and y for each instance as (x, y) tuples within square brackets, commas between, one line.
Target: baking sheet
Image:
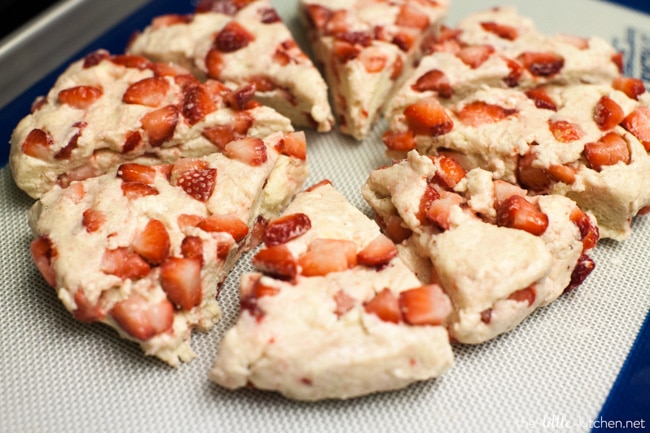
[(553, 372)]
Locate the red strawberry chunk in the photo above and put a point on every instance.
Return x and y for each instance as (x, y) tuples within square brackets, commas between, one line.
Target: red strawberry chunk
[(285, 228), (276, 261), (589, 232), (531, 176), (632, 87), (131, 61), (293, 144), (233, 37), (638, 124), (518, 213), (425, 305), (373, 59), (411, 16), (153, 242), (565, 131), (43, 252), (504, 190), (393, 228), (344, 303), (86, 311), (160, 124), (607, 113), (134, 172), (318, 16), (428, 197), (180, 278), (214, 63), (527, 295), (38, 144), (192, 248), (197, 104), (344, 51), (384, 305), (439, 211), (501, 30), (249, 150), (93, 220), (428, 117), (609, 150), (478, 113), (377, 253), (542, 64), (583, 268), (198, 184), (448, 172), (541, 99), (327, 255), (219, 135), (475, 55), (148, 91), (434, 80), (136, 190), (80, 97), (399, 141), (226, 223), (124, 263), (141, 319)]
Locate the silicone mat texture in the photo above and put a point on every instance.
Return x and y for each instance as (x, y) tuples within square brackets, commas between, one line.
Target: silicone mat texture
[(553, 372)]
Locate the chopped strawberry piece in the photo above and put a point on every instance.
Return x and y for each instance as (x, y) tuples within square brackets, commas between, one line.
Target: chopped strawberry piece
[(475, 55), (227, 223), (160, 124), (149, 91), (239, 98), (377, 253), (338, 23), (344, 51), (478, 113), (439, 211), (344, 303), (124, 263), (285, 228), (638, 124), (583, 268), (618, 61), (180, 278), (531, 176), (504, 190), (38, 144), (384, 305), (434, 80), (501, 30), (43, 252), (66, 151), (188, 220), (86, 311), (192, 248), (293, 144), (327, 255), (404, 40), (398, 66), (249, 150), (219, 135), (632, 87), (232, 37), (373, 59), (565, 131), (562, 173), (541, 99), (257, 232), (428, 197), (93, 220), (516, 69), (197, 183), (131, 141), (518, 213), (399, 141), (542, 64), (608, 113), (141, 319), (80, 97), (136, 190), (428, 117), (609, 150), (318, 185), (589, 232), (410, 15), (318, 16), (448, 172), (393, 228), (425, 305), (527, 295), (214, 63), (269, 16), (134, 172), (131, 61), (197, 104), (94, 58), (276, 261), (243, 122), (153, 242)]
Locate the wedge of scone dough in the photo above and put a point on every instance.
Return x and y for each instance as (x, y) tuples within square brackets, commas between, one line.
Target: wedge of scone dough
[(144, 248), (242, 43), (497, 252), (107, 109), (500, 48), (332, 312), (588, 142), (364, 48)]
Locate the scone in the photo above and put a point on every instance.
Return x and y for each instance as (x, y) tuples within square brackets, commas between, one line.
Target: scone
[(498, 252), (239, 43), (332, 313), (588, 142), (364, 48), (144, 248), (107, 109), (500, 48)]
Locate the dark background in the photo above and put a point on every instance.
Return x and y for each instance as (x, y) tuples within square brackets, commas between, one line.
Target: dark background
[(15, 13)]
